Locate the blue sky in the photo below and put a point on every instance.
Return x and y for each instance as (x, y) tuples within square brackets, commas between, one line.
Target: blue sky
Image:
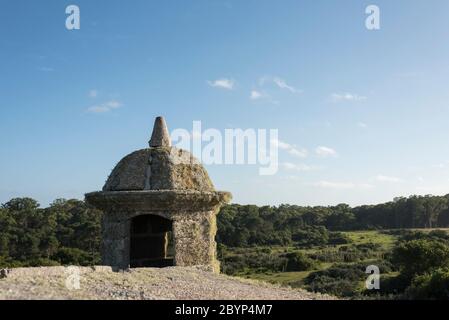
[(368, 108)]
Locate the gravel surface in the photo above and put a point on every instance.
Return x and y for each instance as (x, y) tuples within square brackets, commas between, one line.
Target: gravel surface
[(183, 283)]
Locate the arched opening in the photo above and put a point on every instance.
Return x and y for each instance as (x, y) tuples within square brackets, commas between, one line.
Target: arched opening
[(151, 242)]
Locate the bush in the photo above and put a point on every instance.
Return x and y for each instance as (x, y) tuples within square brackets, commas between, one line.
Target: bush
[(43, 262), (430, 286), (338, 287), (351, 253), (311, 236), (420, 256), (391, 285), (341, 280), (257, 261), (336, 238), (72, 256), (298, 261), (6, 262)]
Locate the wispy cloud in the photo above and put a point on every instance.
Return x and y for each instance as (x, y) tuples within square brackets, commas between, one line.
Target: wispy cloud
[(279, 82), (341, 185), (325, 152), (105, 107), (439, 165), (291, 149), (283, 85), (339, 97), (93, 93), (334, 185), (362, 125), (256, 95), (383, 178), (223, 83), (299, 153), (296, 166)]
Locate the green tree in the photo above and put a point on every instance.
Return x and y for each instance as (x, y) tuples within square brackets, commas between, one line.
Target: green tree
[(417, 257), (433, 285)]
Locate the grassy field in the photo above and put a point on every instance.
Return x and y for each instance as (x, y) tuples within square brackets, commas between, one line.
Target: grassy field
[(330, 268), (384, 241), (363, 237)]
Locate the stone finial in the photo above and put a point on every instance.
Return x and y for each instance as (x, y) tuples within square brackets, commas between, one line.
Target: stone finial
[(160, 136)]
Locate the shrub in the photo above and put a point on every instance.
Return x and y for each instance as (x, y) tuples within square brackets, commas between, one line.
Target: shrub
[(43, 262), (298, 261), (336, 238), (66, 256), (341, 280), (311, 236), (257, 261), (338, 287), (408, 235), (433, 285), (420, 256)]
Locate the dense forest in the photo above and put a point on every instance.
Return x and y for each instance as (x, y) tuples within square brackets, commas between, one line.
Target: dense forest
[(251, 225), (68, 231), (321, 248)]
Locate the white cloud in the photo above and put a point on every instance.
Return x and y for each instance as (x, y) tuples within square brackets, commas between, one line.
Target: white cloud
[(93, 93), (334, 185), (341, 185), (105, 107), (362, 125), (300, 153), (291, 149), (279, 82), (283, 85), (324, 152), (113, 104), (280, 144), (383, 178), (256, 95), (338, 97), (223, 83), (98, 109), (296, 167)]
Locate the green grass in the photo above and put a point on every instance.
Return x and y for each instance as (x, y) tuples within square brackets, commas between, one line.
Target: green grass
[(283, 278), (296, 279), (361, 237), (286, 278)]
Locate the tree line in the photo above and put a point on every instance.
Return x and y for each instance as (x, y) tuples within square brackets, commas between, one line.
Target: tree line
[(68, 231), (245, 225)]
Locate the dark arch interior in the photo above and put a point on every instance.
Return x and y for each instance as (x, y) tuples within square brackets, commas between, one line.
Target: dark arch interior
[(151, 242)]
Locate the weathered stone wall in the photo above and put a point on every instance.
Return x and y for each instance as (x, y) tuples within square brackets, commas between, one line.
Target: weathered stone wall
[(193, 235), (115, 246)]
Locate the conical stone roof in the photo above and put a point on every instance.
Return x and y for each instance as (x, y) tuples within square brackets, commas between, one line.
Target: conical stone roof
[(159, 167)]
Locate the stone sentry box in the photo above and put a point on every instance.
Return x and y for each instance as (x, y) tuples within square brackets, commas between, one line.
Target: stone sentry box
[(159, 208)]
